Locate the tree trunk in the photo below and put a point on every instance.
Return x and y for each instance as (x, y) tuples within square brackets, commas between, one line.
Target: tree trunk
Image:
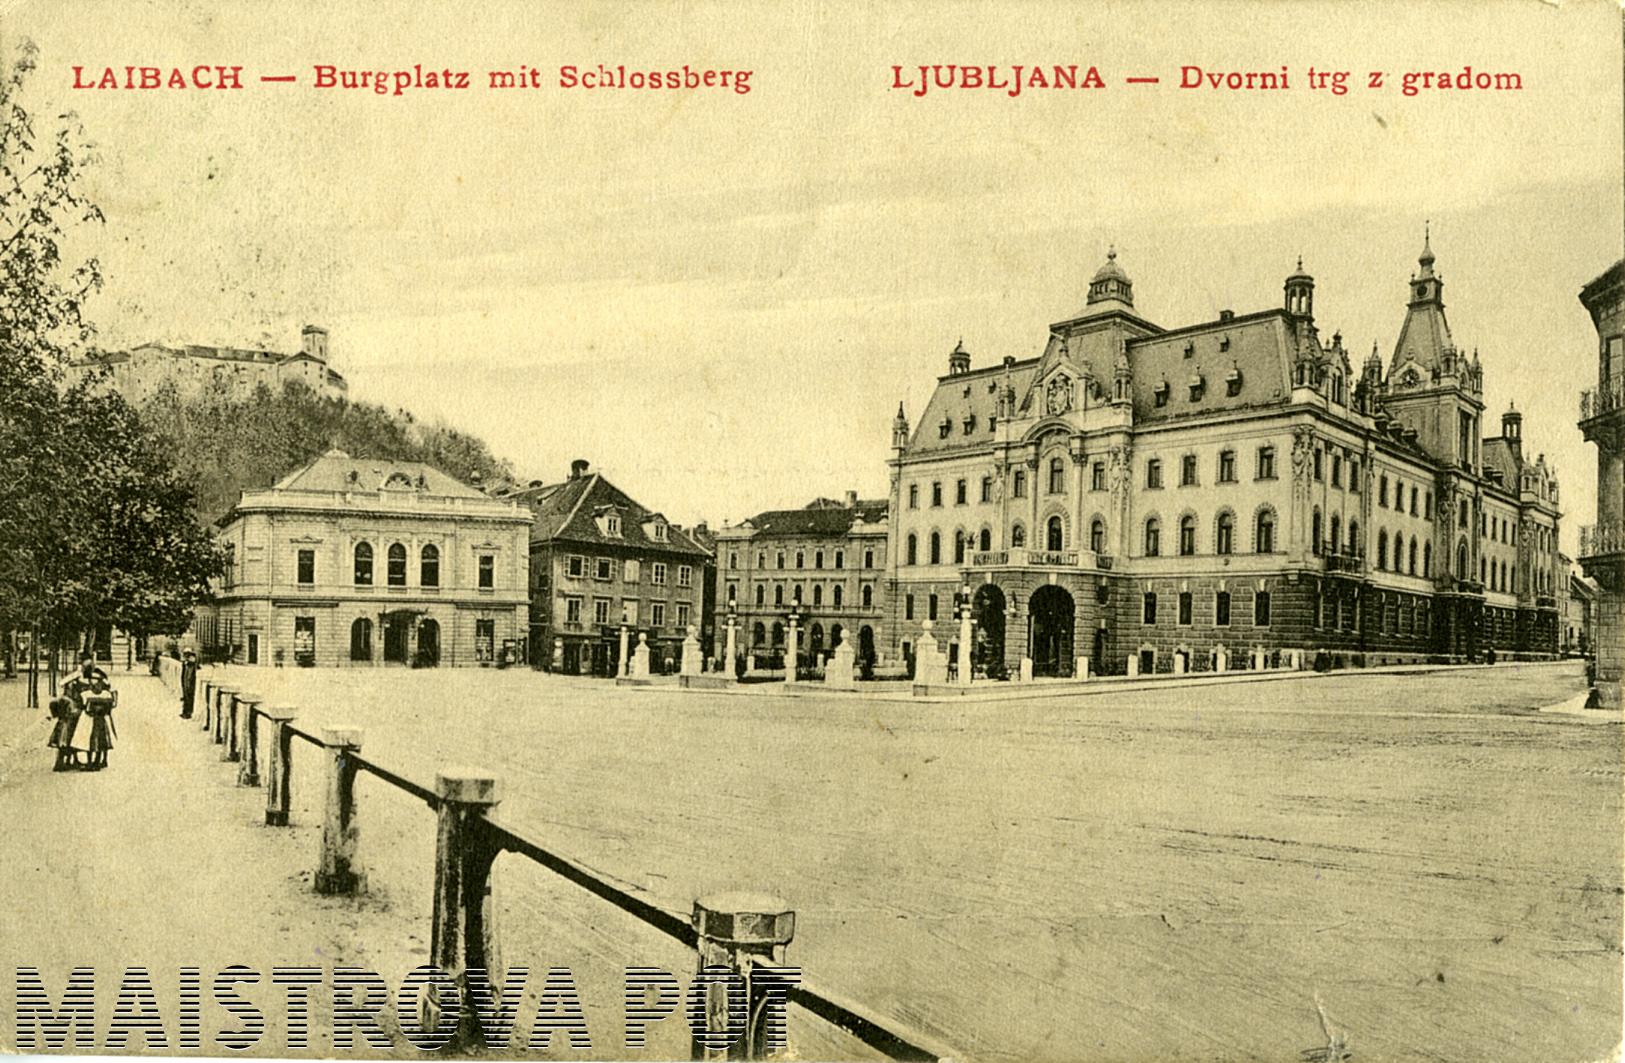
[(56, 663), (11, 654), (33, 667)]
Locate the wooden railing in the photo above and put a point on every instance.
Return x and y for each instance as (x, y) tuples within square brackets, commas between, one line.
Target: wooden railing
[(744, 933)]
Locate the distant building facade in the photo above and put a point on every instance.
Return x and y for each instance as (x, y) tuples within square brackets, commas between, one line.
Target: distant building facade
[(1147, 497), (826, 563), (1602, 419), (600, 561), (360, 562), (140, 372), (1579, 615)]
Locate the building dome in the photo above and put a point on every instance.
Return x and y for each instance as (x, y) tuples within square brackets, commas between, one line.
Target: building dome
[(1111, 270), (1299, 273), (1110, 283)]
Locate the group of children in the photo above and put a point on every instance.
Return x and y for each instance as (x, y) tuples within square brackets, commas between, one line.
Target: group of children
[(83, 720)]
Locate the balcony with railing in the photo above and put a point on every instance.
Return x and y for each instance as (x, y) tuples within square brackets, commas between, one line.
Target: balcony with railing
[(1602, 540), (1029, 558), (1343, 562), (1606, 397)]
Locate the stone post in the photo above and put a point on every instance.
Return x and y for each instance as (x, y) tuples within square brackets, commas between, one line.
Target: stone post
[(279, 766), (1221, 660), (747, 934), (339, 871), (249, 743), (964, 663), (234, 726), (732, 650), (1080, 669), (623, 663), (690, 664), (1181, 662), (464, 935), (207, 690), (1026, 669), (1133, 664), (222, 705)]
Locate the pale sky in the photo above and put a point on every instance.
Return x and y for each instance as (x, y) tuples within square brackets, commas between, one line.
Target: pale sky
[(719, 299)]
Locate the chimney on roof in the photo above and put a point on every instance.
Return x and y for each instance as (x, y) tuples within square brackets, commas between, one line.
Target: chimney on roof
[(851, 500), (313, 341), (578, 468), (1226, 315)]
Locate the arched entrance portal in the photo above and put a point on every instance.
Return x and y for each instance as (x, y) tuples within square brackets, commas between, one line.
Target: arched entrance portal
[(987, 609), (429, 643), (1051, 613), (361, 639), (397, 633)]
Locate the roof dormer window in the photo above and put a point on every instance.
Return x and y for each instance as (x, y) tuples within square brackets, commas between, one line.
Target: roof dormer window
[(970, 423), (1232, 383), (1224, 343), (1160, 394), (945, 428), (1198, 386)]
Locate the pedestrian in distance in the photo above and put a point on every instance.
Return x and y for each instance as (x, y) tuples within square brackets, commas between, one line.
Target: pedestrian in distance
[(70, 734), (188, 684), (97, 723)]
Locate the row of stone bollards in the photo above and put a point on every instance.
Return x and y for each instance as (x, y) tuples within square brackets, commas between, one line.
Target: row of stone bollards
[(737, 1001)]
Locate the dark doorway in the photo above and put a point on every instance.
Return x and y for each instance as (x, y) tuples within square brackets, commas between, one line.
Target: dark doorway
[(361, 639), (253, 649), (1097, 658), (1051, 612), (1148, 662), (987, 609), (397, 628), (428, 643)]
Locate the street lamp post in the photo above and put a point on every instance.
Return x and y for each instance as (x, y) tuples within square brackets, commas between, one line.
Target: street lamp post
[(728, 654), (964, 635), (793, 654)]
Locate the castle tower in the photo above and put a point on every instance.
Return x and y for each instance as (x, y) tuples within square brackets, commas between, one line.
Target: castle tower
[(1300, 292)]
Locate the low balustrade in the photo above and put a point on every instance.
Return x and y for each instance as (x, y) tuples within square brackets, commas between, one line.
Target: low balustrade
[(1599, 540), (747, 934), (1606, 397)]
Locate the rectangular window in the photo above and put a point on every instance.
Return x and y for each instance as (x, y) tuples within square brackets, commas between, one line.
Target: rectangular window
[(631, 571), (987, 489), (603, 570), (1185, 607), (1337, 470), (304, 638), (960, 497), (685, 574), (572, 610), (1221, 609), (913, 496), (1227, 467), (1413, 502), (683, 615), (657, 573), (1319, 467), (1382, 491), (1097, 476), (1148, 609), (307, 567), (576, 567), (1261, 609), (1019, 484), (936, 494), (488, 572), (908, 607), (657, 614), (1153, 473), (1354, 475), (600, 611), (1187, 470), (1266, 463), (629, 610), (485, 637), (931, 607)]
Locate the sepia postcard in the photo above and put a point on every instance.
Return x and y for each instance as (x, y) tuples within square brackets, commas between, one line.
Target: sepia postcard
[(813, 531)]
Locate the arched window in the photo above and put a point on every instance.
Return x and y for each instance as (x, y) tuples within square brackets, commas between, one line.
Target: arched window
[(761, 594), (795, 594), (986, 541), (1018, 535), (1482, 576), (868, 559), (758, 634), (1354, 537), (836, 593), (818, 594), (868, 596), (1337, 533), (363, 564), (429, 566), (1224, 538), (1187, 535), (1097, 535), (1461, 559), (1382, 549), (1264, 532), (1427, 559), (397, 565), (1412, 557), (912, 553), (936, 548), (778, 633), (361, 639), (1314, 532), (1399, 553), (801, 559), (1055, 534), (1057, 476), (1153, 537), (959, 547), (778, 594)]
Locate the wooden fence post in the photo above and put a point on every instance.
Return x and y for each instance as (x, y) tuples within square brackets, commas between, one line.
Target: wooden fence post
[(339, 871), (222, 705), (464, 934), (234, 725), (279, 766), (249, 773), (208, 701), (741, 931)]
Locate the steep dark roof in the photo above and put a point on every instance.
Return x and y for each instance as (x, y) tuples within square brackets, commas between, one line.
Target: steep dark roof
[(823, 518), (567, 512)]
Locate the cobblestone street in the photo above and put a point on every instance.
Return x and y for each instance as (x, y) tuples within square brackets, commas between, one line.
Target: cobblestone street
[(1423, 865)]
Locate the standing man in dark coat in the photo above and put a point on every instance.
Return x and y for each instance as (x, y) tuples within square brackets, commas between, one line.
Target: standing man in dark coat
[(188, 684)]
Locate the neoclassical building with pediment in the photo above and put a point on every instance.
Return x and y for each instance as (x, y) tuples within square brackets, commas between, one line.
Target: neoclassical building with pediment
[(1153, 499)]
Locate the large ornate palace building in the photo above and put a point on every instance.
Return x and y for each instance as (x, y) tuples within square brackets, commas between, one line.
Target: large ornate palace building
[(1158, 494)]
